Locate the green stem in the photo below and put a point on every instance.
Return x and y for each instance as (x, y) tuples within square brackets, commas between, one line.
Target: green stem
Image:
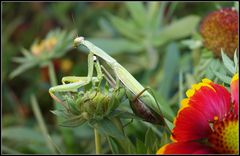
[(97, 141), (118, 123), (180, 83), (52, 75), (67, 133), (42, 125), (152, 55), (8, 150)]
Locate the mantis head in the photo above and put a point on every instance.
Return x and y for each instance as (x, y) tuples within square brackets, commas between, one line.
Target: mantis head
[(78, 41)]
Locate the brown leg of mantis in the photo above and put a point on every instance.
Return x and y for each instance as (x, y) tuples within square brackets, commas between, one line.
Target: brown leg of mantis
[(139, 94)]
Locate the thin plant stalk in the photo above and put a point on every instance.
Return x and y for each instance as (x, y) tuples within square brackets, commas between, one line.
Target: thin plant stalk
[(42, 125), (67, 136), (97, 141), (8, 150), (180, 87)]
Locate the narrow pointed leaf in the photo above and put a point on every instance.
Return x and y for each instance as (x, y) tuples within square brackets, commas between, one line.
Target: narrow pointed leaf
[(126, 28), (229, 64), (176, 30), (22, 68), (137, 12)]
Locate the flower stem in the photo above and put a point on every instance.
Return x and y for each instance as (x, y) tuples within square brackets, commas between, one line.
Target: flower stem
[(118, 124), (66, 133), (42, 125), (97, 141), (53, 79)]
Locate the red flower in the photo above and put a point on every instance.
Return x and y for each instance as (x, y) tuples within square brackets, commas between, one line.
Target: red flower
[(207, 121)]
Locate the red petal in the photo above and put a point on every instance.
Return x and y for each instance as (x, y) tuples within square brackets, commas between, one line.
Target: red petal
[(215, 101), (185, 148), (190, 124), (207, 102), (235, 92)]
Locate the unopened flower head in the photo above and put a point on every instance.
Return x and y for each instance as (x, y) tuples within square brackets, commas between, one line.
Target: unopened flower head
[(220, 31), (93, 104)]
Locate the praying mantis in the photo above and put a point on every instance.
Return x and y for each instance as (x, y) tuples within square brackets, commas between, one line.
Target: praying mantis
[(142, 102)]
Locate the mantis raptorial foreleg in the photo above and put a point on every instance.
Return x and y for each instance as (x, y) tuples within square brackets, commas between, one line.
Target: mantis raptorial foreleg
[(78, 81), (73, 79)]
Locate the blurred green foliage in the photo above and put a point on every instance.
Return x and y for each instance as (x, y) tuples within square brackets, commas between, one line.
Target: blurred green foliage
[(158, 42)]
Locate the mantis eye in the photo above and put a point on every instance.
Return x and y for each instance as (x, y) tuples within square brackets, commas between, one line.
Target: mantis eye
[(78, 41), (94, 58)]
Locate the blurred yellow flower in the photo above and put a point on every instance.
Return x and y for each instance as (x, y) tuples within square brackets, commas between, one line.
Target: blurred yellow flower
[(44, 46), (66, 65)]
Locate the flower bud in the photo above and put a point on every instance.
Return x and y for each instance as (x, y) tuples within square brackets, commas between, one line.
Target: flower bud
[(220, 31), (93, 104)]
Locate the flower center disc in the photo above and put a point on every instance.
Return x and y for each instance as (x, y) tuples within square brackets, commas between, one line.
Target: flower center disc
[(225, 135)]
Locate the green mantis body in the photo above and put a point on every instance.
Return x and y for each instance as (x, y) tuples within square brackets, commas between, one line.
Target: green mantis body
[(132, 86)]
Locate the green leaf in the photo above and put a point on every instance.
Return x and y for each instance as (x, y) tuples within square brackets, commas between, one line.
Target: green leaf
[(170, 68), (236, 61), (122, 145), (58, 112), (134, 64), (236, 5), (137, 12), (165, 108), (153, 9), (158, 21), (140, 147), (26, 53), (164, 139), (9, 150), (150, 138), (176, 30), (86, 131), (115, 46), (126, 28), (171, 9), (222, 77), (22, 68), (129, 147), (106, 127), (192, 44), (169, 124), (22, 134), (105, 26), (124, 115), (19, 59), (113, 145), (73, 121), (229, 64)]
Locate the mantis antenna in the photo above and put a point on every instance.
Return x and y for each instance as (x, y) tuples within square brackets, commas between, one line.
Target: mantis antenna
[(74, 23)]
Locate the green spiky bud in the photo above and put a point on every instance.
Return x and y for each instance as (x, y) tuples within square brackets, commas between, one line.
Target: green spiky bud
[(93, 104)]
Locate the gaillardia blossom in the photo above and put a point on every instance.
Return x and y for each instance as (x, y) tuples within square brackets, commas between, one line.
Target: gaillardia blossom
[(220, 30), (207, 121)]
